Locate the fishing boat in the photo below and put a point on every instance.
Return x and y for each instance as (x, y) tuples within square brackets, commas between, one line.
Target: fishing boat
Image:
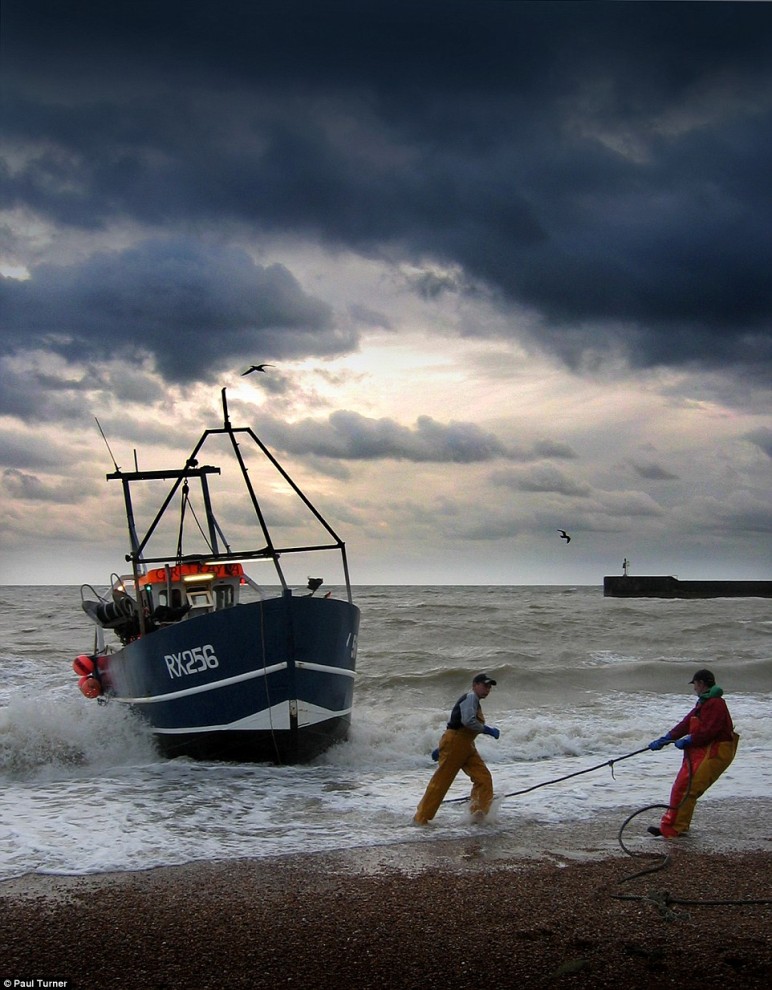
[(223, 666)]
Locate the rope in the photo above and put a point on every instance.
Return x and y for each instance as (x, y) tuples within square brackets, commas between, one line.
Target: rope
[(557, 780), (274, 740), (183, 504), (200, 527), (664, 898)]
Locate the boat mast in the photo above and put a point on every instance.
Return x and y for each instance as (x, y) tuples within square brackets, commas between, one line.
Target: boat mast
[(193, 469), (134, 556), (227, 428), (209, 515), (338, 544)]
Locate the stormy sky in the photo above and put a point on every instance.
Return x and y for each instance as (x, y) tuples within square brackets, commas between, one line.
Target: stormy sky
[(510, 263)]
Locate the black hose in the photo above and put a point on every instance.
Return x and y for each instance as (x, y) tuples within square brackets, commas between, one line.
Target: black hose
[(663, 857)]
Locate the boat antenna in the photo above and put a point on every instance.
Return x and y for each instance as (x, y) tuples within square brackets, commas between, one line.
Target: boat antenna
[(115, 463)]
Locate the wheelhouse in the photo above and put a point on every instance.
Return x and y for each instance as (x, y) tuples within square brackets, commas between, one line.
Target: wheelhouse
[(196, 588)]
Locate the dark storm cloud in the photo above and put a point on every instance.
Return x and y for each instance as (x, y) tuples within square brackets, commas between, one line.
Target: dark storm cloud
[(18, 450), (652, 472), (367, 317), (69, 397), (29, 487), (348, 435), (551, 449), (542, 478), (762, 438), (740, 512), (36, 397), (603, 164), (194, 308)]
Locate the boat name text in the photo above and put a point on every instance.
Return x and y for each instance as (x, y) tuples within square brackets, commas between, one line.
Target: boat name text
[(194, 661)]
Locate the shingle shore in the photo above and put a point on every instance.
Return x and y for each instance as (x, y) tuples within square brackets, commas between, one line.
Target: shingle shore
[(316, 922)]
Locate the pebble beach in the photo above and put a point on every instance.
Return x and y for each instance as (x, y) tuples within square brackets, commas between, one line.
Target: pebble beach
[(422, 915)]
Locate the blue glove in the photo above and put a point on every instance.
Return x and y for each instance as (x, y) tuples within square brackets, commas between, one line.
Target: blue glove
[(683, 743), (436, 754), (490, 730), (659, 743)]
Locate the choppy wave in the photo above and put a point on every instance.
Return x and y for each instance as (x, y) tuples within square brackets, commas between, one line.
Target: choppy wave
[(44, 735), (580, 680)]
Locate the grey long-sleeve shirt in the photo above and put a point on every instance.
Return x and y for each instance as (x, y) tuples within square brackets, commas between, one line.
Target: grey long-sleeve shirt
[(465, 713)]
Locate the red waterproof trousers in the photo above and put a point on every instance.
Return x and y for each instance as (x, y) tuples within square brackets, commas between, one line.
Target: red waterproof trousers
[(707, 764), (457, 752)]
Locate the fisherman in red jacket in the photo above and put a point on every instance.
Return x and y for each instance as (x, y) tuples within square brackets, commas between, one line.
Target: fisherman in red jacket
[(708, 741)]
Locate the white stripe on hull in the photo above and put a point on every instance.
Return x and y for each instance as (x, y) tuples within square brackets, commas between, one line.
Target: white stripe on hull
[(324, 668), (274, 719), (226, 681)]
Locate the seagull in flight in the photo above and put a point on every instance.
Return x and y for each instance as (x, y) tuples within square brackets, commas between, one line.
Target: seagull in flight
[(257, 367), (564, 535)]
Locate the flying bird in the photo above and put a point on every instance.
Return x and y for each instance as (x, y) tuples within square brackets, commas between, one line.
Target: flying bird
[(257, 367), (564, 535)]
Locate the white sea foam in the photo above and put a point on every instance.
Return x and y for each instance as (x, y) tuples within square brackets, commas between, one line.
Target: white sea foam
[(582, 681)]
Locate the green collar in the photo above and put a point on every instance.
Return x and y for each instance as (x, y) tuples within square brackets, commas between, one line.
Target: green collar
[(714, 692)]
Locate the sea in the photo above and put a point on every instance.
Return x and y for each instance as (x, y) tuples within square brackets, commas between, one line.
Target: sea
[(583, 684)]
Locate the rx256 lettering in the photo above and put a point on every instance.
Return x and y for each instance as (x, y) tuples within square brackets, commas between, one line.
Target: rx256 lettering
[(192, 661)]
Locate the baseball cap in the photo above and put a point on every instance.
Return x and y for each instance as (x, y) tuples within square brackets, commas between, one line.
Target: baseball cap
[(484, 679), (705, 676)]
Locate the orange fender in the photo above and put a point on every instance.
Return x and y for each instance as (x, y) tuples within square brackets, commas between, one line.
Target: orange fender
[(90, 686), (84, 665)]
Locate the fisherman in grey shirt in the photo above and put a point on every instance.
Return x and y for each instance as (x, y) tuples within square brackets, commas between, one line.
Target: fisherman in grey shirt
[(457, 751)]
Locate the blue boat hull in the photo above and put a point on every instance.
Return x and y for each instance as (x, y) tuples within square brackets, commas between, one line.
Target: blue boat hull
[(266, 681)]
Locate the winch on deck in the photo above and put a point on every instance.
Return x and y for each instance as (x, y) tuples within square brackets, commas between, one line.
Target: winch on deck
[(168, 594)]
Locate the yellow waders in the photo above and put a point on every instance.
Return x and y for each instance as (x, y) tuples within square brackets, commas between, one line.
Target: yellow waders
[(707, 765), (457, 752)]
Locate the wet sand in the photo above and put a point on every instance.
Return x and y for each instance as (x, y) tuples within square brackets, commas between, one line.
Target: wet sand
[(534, 908)]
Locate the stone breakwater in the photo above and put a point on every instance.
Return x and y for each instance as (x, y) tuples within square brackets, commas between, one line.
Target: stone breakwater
[(666, 586)]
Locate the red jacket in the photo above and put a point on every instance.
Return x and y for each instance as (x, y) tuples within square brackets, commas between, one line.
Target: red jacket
[(709, 721)]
